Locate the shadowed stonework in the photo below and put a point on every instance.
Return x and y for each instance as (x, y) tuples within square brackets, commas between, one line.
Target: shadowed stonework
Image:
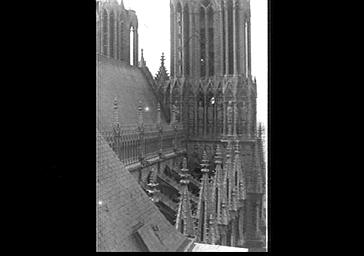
[(126, 218)]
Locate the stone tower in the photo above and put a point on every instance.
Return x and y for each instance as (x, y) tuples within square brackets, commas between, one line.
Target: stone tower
[(115, 26), (210, 38), (210, 66), (212, 88)]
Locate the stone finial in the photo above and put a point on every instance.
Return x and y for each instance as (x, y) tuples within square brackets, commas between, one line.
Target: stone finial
[(116, 113), (142, 62), (162, 60), (162, 74)]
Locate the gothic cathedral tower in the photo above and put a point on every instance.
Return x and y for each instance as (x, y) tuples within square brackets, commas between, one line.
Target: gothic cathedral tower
[(211, 63), (211, 91)]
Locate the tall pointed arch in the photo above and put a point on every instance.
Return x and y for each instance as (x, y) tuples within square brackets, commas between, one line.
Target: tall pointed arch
[(167, 101), (210, 40), (179, 38), (200, 110), (186, 36), (242, 107), (191, 111), (219, 102), (210, 102), (105, 29), (111, 33), (228, 116), (202, 42), (120, 35), (176, 100)]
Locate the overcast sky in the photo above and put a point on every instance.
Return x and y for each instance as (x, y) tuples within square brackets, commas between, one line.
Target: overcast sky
[(154, 38)]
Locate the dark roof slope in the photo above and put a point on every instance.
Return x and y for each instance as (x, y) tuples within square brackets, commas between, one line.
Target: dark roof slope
[(127, 220), (127, 83)]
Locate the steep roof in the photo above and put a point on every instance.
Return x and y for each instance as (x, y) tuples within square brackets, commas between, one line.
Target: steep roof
[(116, 79), (216, 248), (127, 220)]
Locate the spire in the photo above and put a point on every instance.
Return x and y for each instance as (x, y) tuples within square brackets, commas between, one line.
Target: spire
[(217, 183), (229, 173), (203, 201), (184, 221), (259, 163), (162, 60), (142, 63), (162, 74), (240, 188)]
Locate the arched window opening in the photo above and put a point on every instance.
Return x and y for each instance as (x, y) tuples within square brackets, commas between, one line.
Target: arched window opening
[(223, 37), (121, 42), (246, 46), (131, 43), (173, 31), (179, 38), (202, 43), (210, 111), (219, 111), (160, 94), (210, 15), (243, 117), (200, 112), (167, 103), (117, 48), (186, 35), (105, 33), (176, 102), (112, 34), (231, 37), (237, 35), (191, 113), (228, 97)]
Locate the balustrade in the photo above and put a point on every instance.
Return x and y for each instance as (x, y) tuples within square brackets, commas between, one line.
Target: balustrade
[(130, 143)]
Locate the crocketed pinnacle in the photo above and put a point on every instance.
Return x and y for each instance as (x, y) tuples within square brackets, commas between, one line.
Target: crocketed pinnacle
[(162, 74), (184, 221)]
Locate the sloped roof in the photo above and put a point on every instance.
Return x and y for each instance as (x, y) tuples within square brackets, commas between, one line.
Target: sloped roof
[(216, 248), (116, 79), (127, 220)]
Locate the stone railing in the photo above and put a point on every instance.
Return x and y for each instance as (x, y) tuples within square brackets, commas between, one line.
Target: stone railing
[(133, 143)]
